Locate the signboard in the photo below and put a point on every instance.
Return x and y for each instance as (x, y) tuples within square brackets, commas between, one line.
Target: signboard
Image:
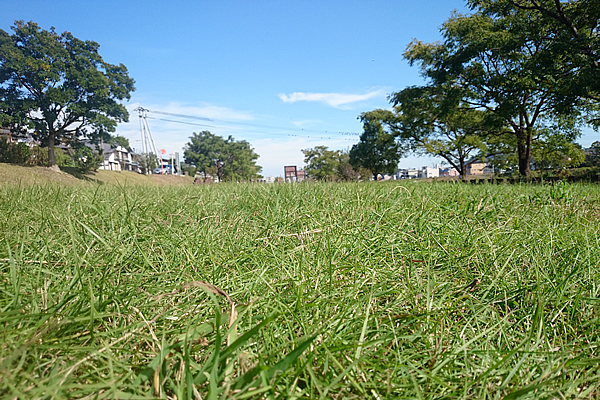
[(289, 171)]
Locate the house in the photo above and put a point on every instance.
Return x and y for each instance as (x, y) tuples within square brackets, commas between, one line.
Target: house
[(5, 133), (429, 172), (410, 173), (478, 167), (449, 172), (118, 159)]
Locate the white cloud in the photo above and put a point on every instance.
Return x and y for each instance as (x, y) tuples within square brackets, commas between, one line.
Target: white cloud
[(337, 100)]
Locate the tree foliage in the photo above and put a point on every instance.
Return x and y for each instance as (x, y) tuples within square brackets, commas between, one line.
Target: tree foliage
[(377, 150), (228, 159), (433, 120), (60, 84), (85, 158), (570, 31), (14, 153), (592, 158), (503, 65), (323, 164), (117, 140), (147, 161)]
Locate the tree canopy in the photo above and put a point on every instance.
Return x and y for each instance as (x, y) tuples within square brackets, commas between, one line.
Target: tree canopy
[(570, 33), (514, 77), (60, 85), (504, 67), (593, 155), (323, 164), (433, 120), (228, 159), (377, 150), (117, 140)]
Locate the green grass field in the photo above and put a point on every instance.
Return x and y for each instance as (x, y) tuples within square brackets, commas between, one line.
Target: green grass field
[(371, 290)]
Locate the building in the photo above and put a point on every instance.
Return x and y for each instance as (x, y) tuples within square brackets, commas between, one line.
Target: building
[(478, 167), (429, 172), (449, 172), (408, 173), (118, 159)]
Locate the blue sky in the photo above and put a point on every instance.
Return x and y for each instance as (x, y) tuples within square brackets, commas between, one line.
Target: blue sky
[(283, 75)]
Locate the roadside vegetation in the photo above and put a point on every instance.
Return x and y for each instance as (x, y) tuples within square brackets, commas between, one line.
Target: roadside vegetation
[(346, 290)]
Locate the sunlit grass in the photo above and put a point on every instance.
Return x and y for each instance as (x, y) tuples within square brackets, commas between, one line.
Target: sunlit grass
[(383, 290)]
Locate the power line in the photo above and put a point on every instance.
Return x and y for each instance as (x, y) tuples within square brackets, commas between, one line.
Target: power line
[(256, 125), (246, 130), (179, 115), (181, 122)]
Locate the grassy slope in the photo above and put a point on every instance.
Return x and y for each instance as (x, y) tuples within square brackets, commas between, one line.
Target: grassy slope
[(383, 277), (39, 175)]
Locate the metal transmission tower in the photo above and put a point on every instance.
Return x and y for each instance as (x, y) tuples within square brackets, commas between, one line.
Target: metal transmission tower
[(148, 146)]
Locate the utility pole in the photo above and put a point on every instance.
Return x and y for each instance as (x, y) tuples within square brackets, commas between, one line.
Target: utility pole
[(148, 146)]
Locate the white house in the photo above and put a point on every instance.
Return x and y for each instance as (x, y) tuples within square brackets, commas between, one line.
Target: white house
[(429, 172), (118, 159)]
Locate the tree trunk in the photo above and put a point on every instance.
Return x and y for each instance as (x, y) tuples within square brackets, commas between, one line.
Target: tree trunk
[(51, 152), (524, 140)]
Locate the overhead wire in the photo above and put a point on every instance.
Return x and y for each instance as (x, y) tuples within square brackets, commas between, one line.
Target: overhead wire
[(257, 125), (246, 130)]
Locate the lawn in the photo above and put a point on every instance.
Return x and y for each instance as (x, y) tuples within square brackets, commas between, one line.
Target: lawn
[(367, 290)]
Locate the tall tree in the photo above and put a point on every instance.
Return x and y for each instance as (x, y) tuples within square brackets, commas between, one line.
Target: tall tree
[(432, 120), (228, 159), (377, 149), (321, 163), (61, 84), (505, 67), (240, 161)]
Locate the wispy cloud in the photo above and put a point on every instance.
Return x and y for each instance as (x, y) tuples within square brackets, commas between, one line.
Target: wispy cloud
[(306, 122), (205, 110), (337, 100), (172, 132)]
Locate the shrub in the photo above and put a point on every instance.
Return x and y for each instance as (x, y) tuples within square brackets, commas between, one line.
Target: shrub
[(14, 153), (86, 159)]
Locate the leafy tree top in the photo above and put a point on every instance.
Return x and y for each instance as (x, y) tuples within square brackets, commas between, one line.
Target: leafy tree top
[(120, 141), (504, 64), (61, 84), (228, 159)]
